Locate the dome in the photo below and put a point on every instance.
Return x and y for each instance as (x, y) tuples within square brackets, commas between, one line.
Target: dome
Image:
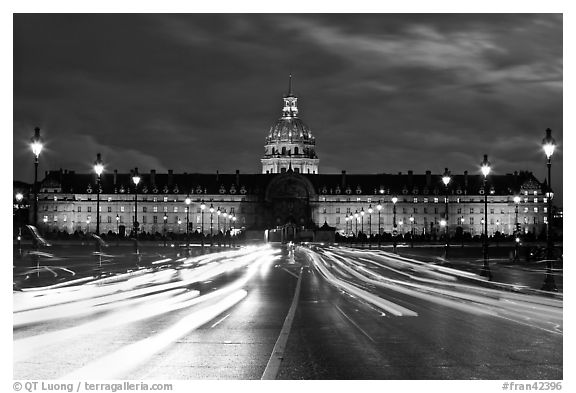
[(289, 129)]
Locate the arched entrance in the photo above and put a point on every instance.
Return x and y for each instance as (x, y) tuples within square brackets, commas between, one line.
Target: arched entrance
[(287, 202)]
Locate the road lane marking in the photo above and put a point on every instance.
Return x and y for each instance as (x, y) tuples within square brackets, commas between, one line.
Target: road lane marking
[(220, 320), (355, 324), (277, 355), (290, 272)]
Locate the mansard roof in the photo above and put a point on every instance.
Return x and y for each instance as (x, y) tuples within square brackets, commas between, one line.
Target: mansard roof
[(324, 184)]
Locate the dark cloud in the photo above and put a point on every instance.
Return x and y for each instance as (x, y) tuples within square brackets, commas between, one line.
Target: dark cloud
[(381, 92)]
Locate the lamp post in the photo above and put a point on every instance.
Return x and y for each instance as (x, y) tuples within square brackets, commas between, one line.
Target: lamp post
[(165, 222), (225, 214), (516, 232), (549, 145), (117, 229), (462, 225), (19, 198), (379, 207), (202, 207), (346, 225), (411, 231), (218, 212), (394, 232), (87, 224), (36, 145), (362, 224), (136, 180), (211, 219), (98, 168), (370, 225), (485, 168), (446, 180), (356, 215), (232, 226), (187, 201)]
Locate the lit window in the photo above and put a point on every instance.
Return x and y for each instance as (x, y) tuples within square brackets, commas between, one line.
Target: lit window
[(109, 199), (64, 218), (425, 200), (415, 200), (545, 220), (165, 209), (155, 209), (165, 199), (525, 192), (358, 199), (545, 200), (535, 192), (175, 209), (545, 209), (525, 210), (535, 200), (55, 218), (435, 200), (122, 209), (535, 210)]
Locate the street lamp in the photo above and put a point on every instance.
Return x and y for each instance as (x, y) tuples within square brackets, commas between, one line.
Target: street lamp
[(19, 198), (87, 224), (225, 223), (379, 207), (362, 223), (187, 201), (411, 231), (517, 200), (211, 219), (370, 225), (218, 212), (165, 222), (202, 207), (36, 145), (136, 180), (394, 232), (462, 225), (117, 229), (356, 215), (549, 145), (485, 169), (446, 180), (98, 168)]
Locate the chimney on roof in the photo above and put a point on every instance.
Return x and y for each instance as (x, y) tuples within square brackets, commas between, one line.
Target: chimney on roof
[(428, 179), (410, 179), (237, 178), (465, 179), (343, 179), (170, 177), (153, 177)]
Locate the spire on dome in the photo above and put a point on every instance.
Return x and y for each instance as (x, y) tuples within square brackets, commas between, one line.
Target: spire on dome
[(290, 108), (290, 86)]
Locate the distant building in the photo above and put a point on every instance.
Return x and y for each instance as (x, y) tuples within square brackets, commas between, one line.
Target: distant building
[(291, 193)]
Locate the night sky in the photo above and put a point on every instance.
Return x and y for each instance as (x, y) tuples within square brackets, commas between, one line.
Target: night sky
[(198, 93)]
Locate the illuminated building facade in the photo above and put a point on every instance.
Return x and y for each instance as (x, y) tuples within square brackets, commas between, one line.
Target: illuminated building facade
[(290, 192)]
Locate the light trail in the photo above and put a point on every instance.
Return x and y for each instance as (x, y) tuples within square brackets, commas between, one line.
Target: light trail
[(528, 309), (119, 363)]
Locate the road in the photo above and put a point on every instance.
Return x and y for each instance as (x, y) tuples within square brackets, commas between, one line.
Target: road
[(272, 312)]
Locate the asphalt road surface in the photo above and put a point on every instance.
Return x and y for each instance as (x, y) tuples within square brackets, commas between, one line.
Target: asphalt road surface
[(282, 313)]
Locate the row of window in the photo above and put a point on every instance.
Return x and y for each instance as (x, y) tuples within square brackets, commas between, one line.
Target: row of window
[(433, 200), (154, 209), (155, 219), (471, 221), (425, 210)]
